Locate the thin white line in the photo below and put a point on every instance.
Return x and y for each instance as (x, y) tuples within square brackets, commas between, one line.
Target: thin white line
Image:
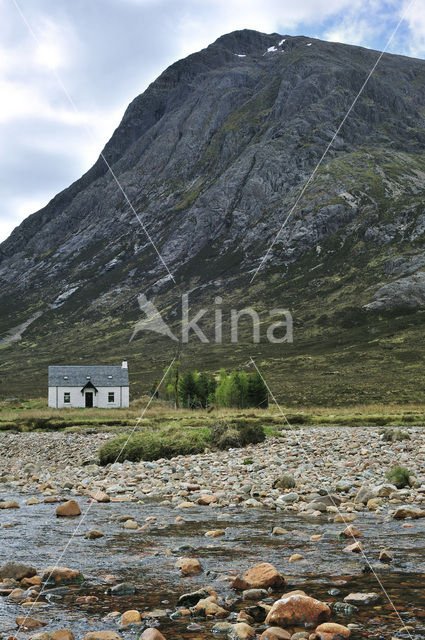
[(330, 496), (83, 517), (276, 237), (73, 105)]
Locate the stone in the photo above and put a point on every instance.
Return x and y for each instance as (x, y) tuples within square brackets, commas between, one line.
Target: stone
[(408, 512), (356, 547), (361, 598), (69, 508), (275, 633), (17, 571), (100, 496), (215, 533), (9, 504), (385, 490), (189, 566), (297, 609), (32, 501), (254, 594), (278, 531), (332, 631), (207, 499), (363, 495), (123, 589), (344, 518), (151, 634), (288, 497), (58, 634), (351, 532), (385, 556), (131, 616), (374, 503), (241, 631), (102, 635), (130, 524), (260, 576), (35, 581), (285, 481), (210, 608), (94, 534), (55, 576), (190, 599), (296, 557), (29, 623)]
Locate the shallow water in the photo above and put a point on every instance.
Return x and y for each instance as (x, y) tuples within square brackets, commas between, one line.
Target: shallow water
[(147, 559)]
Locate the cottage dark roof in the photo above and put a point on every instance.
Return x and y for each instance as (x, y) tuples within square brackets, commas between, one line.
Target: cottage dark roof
[(77, 376)]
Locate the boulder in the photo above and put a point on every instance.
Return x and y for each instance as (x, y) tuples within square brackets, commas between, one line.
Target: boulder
[(275, 633), (61, 576), (385, 556), (102, 635), (58, 634), (207, 499), (254, 594), (210, 608), (261, 576), (17, 571), (100, 496), (151, 634), (132, 616), (408, 512), (215, 533), (361, 598), (69, 508), (189, 566), (332, 631), (296, 609), (25, 622), (94, 534), (241, 631), (356, 547), (190, 599), (385, 490), (285, 481), (9, 504), (351, 532), (363, 495)]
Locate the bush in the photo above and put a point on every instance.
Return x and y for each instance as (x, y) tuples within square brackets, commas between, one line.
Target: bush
[(389, 435), (399, 476), (164, 442), (236, 433)]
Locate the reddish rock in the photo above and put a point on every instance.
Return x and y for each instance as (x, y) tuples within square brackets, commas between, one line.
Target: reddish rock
[(131, 616), (68, 509), (189, 566), (29, 623), (100, 496), (242, 631), (207, 499), (62, 576), (332, 631), (296, 609), (263, 575), (275, 633), (151, 634), (351, 532), (62, 634)]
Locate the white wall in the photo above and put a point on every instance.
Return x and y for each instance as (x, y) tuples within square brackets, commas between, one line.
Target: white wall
[(100, 399)]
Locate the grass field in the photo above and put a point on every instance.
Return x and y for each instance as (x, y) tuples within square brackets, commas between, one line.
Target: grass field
[(34, 415)]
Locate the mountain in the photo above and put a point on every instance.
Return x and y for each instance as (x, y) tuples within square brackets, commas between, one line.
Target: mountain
[(213, 156)]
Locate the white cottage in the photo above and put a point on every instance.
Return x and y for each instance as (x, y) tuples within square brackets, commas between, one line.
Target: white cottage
[(89, 386)]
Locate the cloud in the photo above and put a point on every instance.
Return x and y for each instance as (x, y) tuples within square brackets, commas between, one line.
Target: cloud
[(105, 53)]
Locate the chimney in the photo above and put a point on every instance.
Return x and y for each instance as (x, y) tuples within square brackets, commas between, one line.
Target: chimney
[(124, 364)]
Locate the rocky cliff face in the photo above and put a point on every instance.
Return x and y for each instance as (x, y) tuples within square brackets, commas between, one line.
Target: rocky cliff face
[(212, 157)]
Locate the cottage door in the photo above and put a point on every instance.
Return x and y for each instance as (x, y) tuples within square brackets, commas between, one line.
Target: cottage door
[(89, 398)]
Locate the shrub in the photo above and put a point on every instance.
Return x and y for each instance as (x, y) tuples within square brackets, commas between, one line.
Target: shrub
[(399, 476), (164, 442), (389, 435), (236, 433)]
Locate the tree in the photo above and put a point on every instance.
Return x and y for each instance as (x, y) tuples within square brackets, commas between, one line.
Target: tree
[(188, 390), (171, 383), (258, 395)]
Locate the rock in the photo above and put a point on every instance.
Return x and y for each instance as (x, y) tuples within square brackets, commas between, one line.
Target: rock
[(263, 575), (344, 518), (100, 496), (55, 576), (363, 495), (151, 634), (296, 557), (123, 589), (241, 631), (102, 635), (297, 609), (131, 616), (275, 633), (356, 547), (31, 582), (361, 598), (32, 501), (332, 631), (210, 608), (288, 497), (29, 623), (385, 490), (189, 566), (17, 571), (207, 499), (278, 531), (385, 556), (374, 503), (9, 504), (351, 532), (68, 509), (215, 533), (190, 599), (58, 634), (130, 524), (408, 512), (92, 535), (285, 481), (254, 594), (222, 628)]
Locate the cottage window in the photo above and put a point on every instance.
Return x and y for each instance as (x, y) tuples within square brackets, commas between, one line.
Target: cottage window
[(111, 396), (67, 397)]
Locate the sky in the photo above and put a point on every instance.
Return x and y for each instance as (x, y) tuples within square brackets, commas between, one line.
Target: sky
[(69, 68)]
